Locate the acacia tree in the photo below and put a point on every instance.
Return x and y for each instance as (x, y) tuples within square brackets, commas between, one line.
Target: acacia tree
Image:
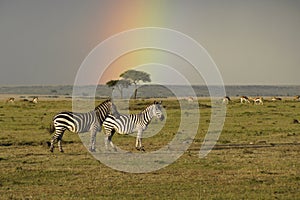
[(135, 77), (119, 84)]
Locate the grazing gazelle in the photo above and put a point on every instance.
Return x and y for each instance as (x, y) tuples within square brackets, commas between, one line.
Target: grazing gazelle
[(244, 99), (226, 100), (35, 100), (190, 99), (10, 100), (258, 101), (276, 99), (297, 98)]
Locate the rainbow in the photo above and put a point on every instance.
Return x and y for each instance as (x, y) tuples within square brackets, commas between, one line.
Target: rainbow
[(137, 15), (131, 16)]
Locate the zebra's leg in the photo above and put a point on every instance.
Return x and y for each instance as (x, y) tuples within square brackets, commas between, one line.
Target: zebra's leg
[(59, 146), (107, 132), (108, 139), (52, 143), (93, 140), (59, 143), (106, 142), (138, 143), (59, 132)]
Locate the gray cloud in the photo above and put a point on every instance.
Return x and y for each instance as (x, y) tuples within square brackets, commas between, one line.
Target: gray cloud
[(252, 42)]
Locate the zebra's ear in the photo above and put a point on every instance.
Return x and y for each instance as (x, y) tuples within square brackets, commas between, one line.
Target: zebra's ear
[(157, 102), (110, 100)]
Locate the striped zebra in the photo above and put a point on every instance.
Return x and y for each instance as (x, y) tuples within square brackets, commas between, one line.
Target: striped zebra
[(80, 123), (126, 124)]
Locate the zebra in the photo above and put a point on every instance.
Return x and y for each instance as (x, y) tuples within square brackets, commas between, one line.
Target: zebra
[(80, 123), (126, 124)]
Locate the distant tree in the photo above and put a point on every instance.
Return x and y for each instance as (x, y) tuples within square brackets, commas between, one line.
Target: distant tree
[(135, 77), (119, 85)]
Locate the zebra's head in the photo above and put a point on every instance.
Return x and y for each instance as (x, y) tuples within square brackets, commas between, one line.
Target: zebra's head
[(157, 110), (112, 108), (108, 107), (114, 111)]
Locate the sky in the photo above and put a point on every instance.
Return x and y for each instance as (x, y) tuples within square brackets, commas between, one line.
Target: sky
[(252, 42)]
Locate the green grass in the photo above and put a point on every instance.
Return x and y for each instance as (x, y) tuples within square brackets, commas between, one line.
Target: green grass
[(257, 157)]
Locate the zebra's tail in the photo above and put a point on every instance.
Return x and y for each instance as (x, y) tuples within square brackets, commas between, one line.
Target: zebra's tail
[(51, 128)]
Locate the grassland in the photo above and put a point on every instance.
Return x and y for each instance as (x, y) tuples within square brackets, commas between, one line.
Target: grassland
[(256, 157)]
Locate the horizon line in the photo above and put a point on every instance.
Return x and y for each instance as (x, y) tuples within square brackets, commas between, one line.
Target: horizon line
[(89, 85)]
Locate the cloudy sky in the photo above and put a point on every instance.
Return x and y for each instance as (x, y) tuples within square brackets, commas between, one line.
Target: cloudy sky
[(251, 41)]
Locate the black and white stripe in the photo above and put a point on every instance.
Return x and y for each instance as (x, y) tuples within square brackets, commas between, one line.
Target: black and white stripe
[(126, 124), (80, 123)]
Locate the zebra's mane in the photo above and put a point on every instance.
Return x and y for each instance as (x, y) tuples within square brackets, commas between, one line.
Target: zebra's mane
[(136, 114), (104, 102), (146, 109)]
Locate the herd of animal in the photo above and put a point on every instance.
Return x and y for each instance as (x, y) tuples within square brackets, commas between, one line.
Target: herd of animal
[(12, 100), (255, 100), (106, 115)]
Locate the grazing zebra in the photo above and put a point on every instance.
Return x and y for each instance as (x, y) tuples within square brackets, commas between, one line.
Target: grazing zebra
[(126, 124), (80, 123)]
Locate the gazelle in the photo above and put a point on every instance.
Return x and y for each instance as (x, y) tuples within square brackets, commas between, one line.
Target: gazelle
[(244, 99), (226, 100), (10, 100), (276, 99), (190, 99), (297, 98), (35, 100), (258, 101)]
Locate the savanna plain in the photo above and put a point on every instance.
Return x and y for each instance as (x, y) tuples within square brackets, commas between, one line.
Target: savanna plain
[(256, 156)]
